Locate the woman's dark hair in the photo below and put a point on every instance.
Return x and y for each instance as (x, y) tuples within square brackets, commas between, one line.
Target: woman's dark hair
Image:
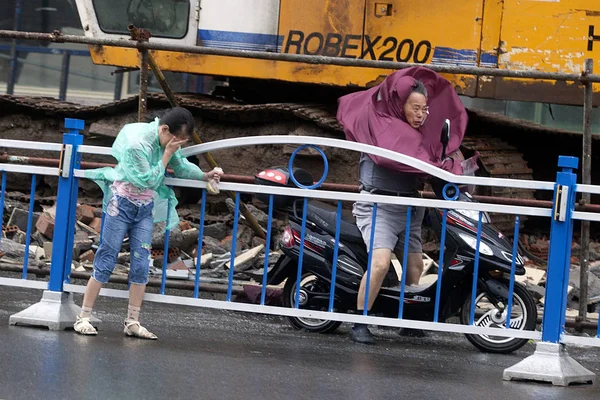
[(418, 87), (179, 120)]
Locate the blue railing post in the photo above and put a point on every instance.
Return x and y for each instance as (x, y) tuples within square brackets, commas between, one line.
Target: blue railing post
[(74, 126), (56, 310), (66, 205), (559, 256), (551, 362)]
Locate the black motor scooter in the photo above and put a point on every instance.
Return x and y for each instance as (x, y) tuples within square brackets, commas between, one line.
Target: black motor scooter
[(495, 262)]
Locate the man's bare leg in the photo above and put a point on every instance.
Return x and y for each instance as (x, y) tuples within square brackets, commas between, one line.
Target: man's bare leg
[(414, 269), (380, 263)]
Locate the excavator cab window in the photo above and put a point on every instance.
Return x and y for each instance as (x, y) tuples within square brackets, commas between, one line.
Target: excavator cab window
[(163, 18)]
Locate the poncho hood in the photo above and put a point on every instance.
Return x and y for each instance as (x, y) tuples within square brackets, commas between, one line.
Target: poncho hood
[(375, 116)]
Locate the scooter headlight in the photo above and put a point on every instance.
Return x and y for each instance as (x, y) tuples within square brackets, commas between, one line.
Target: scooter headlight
[(472, 242), (518, 260), (474, 215)]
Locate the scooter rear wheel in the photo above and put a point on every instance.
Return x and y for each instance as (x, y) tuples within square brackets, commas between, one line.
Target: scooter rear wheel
[(310, 282), (523, 317)]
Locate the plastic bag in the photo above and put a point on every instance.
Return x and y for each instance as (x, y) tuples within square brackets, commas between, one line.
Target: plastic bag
[(212, 187), (469, 166)]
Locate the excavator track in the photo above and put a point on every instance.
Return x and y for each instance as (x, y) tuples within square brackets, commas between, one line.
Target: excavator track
[(207, 106), (498, 158)]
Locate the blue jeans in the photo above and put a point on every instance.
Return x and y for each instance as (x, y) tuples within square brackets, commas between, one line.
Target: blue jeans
[(123, 217)]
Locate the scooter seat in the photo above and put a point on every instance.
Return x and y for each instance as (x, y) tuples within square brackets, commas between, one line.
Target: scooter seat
[(324, 216), (414, 288)]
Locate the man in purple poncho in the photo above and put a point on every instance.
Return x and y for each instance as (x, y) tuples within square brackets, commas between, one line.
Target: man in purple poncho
[(405, 114)]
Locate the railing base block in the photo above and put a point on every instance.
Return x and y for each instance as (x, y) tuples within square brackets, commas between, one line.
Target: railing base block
[(56, 311), (550, 363)]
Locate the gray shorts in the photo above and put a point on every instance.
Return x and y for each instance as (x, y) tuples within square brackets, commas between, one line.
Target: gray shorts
[(390, 224)]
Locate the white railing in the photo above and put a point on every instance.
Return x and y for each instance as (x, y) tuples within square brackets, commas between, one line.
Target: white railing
[(557, 268)]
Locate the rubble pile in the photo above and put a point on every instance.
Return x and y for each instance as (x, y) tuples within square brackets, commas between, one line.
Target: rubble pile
[(538, 247), (536, 250), (182, 256)]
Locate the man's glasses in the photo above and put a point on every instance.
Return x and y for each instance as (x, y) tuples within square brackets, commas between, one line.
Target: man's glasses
[(421, 110)]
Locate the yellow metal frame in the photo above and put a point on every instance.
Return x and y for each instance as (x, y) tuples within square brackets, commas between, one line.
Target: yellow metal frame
[(536, 35)]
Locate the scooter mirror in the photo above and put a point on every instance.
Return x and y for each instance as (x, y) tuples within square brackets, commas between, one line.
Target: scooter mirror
[(445, 137)]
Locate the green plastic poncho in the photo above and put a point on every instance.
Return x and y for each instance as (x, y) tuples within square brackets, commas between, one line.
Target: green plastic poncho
[(139, 155)]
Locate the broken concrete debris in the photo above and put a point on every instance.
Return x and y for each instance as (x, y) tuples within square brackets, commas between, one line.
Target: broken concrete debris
[(245, 260), (96, 224), (85, 213), (19, 219), (217, 230), (216, 243), (45, 225), (87, 256)]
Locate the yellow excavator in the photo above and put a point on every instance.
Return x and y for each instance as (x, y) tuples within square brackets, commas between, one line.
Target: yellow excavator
[(526, 35)]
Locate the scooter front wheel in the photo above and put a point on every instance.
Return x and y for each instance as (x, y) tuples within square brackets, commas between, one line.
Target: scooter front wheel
[(523, 317), (310, 283)]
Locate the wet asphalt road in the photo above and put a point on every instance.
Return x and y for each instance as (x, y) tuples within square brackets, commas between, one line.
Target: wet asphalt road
[(205, 354)]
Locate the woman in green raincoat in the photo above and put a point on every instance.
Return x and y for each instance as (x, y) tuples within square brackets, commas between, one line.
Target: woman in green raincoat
[(135, 198)]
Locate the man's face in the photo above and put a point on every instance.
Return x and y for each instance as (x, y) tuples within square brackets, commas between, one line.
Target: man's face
[(415, 109)]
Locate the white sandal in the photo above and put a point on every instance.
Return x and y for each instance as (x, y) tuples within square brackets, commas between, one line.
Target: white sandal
[(140, 332), (84, 326)]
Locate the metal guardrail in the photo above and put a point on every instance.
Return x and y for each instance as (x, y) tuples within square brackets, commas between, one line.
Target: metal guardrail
[(249, 179), (301, 235)]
